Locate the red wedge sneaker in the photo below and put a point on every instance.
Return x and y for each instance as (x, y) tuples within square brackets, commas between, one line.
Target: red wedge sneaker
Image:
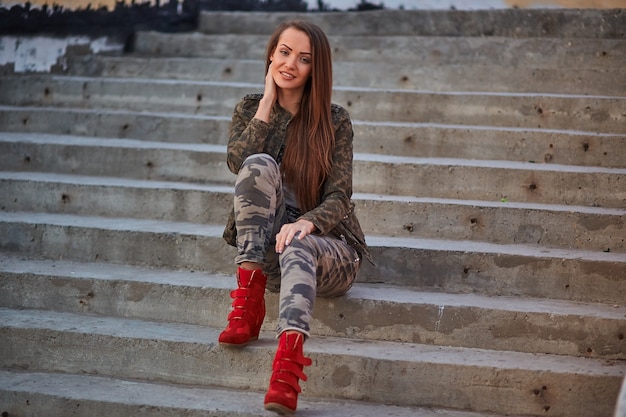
[(246, 317), (282, 395)]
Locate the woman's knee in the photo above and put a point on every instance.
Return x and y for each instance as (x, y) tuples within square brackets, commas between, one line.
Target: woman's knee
[(259, 171), (260, 161), (298, 249)]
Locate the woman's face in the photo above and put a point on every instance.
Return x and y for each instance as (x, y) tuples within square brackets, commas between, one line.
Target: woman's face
[(291, 60)]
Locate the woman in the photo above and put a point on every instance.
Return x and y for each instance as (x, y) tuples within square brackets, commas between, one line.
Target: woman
[(293, 221)]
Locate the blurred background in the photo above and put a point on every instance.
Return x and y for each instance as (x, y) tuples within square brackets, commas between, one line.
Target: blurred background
[(313, 5)]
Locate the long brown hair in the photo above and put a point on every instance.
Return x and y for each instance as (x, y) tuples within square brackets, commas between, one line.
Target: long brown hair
[(307, 159)]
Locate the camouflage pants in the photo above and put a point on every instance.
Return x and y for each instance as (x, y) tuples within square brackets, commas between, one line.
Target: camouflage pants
[(317, 265)]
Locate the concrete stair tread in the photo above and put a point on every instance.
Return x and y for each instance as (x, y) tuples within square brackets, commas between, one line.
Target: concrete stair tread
[(138, 60), (493, 204), (366, 39), (567, 147), (87, 180), (115, 223), (99, 396), (90, 141), (363, 292), (51, 177), (256, 86), (63, 322), (151, 113), (428, 50), (112, 142), (215, 230), (528, 129), (391, 215), (468, 77), (356, 122), (514, 165), (252, 86), (484, 247), (511, 22), (454, 178), (440, 177), (377, 371), (554, 111), (472, 266), (368, 312)]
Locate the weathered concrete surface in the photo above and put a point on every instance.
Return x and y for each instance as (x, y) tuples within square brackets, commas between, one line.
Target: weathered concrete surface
[(367, 312), (429, 140), (552, 53), (140, 242), (449, 178), (508, 22), (115, 197), (588, 113), (113, 157), (564, 147), (597, 228), (449, 265), (164, 127), (344, 368), (491, 181), (393, 75), (460, 267), (58, 395), (456, 266)]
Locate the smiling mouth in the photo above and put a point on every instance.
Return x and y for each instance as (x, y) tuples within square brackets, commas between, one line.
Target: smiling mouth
[(286, 75)]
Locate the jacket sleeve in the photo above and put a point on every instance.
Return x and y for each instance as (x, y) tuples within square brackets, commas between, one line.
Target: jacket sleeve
[(337, 190), (246, 135)]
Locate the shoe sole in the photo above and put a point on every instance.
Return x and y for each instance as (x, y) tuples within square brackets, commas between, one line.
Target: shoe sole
[(280, 409)]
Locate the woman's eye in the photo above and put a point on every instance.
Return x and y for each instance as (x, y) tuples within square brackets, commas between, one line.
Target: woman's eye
[(305, 60)]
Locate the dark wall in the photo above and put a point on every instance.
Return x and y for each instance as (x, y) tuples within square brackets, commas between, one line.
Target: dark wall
[(125, 19)]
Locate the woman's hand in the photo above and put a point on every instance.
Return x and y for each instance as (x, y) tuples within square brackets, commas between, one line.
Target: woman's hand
[(269, 97), (291, 231), (270, 85)]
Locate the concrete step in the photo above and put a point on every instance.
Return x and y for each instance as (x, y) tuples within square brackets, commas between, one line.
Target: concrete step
[(487, 180), (392, 75), (194, 162), (115, 197), (420, 51), (382, 372), (513, 22), (29, 394), (449, 178), (574, 112), (431, 140), (106, 292), (446, 265), (162, 127), (547, 225), (367, 312)]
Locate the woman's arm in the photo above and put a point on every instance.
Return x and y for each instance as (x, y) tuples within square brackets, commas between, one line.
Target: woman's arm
[(250, 125), (247, 134)]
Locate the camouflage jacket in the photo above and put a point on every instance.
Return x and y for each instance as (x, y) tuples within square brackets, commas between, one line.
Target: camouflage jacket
[(335, 215)]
